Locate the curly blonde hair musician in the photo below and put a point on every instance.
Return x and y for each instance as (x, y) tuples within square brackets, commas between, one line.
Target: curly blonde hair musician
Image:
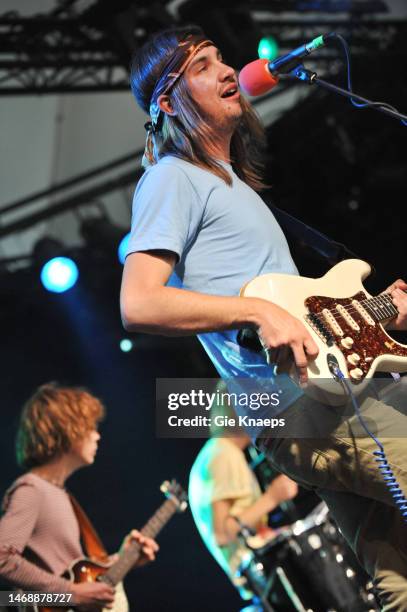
[(54, 419), (40, 535)]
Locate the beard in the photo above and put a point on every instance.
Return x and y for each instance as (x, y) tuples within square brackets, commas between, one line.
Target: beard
[(225, 120)]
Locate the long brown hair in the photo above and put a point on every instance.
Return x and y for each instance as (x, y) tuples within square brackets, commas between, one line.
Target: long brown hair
[(52, 420), (187, 134)]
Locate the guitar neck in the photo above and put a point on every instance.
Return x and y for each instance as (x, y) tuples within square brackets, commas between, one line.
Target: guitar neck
[(381, 307), (130, 556)]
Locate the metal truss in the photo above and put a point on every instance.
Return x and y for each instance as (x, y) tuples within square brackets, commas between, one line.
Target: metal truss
[(369, 40), (69, 51), (53, 54)]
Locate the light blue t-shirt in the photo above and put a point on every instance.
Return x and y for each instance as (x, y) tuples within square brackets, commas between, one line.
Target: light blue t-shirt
[(223, 237)]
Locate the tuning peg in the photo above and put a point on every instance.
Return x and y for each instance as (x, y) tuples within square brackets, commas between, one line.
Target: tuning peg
[(164, 488)]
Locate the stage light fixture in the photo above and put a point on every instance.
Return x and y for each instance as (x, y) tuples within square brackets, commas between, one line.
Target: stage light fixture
[(59, 274), (57, 270), (268, 48), (126, 345)]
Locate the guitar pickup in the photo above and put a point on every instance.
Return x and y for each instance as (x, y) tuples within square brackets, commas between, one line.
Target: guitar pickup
[(363, 312), (348, 318), (332, 322)]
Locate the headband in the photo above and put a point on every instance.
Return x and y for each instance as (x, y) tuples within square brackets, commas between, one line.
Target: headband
[(172, 71)]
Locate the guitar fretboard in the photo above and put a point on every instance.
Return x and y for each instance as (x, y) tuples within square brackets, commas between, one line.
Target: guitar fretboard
[(128, 558), (380, 307)]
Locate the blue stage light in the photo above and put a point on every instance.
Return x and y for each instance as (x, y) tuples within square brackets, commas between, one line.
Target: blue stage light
[(59, 274), (126, 345), (122, 250)]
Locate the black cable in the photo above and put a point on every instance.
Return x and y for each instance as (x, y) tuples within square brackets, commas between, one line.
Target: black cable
[(384, 105)]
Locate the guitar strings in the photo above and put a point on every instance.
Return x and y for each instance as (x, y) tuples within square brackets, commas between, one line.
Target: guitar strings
[(339, 318), (351, 309)]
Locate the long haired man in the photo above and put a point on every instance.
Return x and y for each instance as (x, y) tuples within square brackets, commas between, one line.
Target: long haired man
[(197, 213)]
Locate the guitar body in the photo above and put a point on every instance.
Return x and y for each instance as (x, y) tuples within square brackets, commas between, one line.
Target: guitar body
[(333, 309), (86, 570)]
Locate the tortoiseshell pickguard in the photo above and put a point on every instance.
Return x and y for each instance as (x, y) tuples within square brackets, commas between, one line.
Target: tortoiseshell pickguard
[(369, 342)]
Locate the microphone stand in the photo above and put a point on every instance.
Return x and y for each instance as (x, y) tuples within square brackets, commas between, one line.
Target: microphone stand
[(308, 76)]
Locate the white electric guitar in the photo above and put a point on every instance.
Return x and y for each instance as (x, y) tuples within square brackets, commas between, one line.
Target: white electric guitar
[(345, 322)]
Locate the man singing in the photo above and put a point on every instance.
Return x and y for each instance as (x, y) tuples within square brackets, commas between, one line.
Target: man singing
[(196, 212)]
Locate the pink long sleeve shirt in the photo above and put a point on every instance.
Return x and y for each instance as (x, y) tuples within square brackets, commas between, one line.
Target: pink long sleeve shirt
[(38, 524)]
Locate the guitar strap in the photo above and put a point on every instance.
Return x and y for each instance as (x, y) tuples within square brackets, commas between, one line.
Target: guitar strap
[(91, 541), (331, 250)]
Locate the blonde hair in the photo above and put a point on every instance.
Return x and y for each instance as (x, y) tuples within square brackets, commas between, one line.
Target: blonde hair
[(52, 420)]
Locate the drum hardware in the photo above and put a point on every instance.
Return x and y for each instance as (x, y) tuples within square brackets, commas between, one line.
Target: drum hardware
[(257, 581), (310, 562), (288, 589)]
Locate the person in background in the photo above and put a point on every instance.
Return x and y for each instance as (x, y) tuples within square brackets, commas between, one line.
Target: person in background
[(39, 530), (224, 496)]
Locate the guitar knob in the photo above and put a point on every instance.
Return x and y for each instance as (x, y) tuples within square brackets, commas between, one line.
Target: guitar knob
[(347, 342), (353, 359), (356, 373)]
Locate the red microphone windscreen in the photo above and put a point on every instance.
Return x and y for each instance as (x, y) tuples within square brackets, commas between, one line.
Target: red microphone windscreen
[(255, 79)]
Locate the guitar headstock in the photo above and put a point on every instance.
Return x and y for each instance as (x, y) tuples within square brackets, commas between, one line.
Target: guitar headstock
[(173, 491)]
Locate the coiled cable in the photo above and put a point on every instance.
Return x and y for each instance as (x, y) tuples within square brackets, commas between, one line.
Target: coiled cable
[(380, 455)]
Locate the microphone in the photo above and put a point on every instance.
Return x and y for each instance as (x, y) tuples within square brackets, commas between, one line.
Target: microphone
[(260, 76)]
